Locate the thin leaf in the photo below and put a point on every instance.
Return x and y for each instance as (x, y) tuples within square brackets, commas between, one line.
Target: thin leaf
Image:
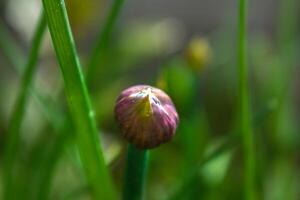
[(13, 133), (78, 100)]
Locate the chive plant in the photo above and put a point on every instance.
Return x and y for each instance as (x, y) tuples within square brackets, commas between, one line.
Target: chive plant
[(147, 118), (13, 136), (78, 100), (244, 109)]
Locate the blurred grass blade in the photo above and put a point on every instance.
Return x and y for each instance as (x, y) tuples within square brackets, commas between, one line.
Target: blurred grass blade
[(103, 38), (288, 21), (78, 100), (13, 133), (16, 59), (49, 164), (244, 108), (229, 144), (10, 49)]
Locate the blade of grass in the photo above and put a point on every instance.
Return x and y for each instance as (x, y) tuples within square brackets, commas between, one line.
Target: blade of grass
[(48, 166), (287, 44), (103, 39), (288, 21), (193, 174), (16, 58), (78, 100), (228, 144), (52, 113), (10, 49), (13, 133), (244, 108), (100, 46)]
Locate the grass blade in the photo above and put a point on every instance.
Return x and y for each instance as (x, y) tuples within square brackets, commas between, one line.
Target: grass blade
[(244, 109), (10, 49), (180, 189), (78, 100), (101, 45), (103, 38), (13, 133)]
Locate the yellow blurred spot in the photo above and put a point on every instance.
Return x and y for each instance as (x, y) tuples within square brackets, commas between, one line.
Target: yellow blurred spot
[(161, 83), (198, 53), (83, 14)]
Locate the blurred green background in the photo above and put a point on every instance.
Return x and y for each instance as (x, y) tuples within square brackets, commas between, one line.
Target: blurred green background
[(188, 49)]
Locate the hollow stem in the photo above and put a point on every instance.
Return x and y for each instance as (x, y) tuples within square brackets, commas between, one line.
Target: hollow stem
[(244, 108), (135, 173)]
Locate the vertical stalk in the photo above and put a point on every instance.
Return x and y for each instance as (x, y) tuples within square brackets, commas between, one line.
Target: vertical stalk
[(13, 133), (135, 173), (78, 100), (244, 109)]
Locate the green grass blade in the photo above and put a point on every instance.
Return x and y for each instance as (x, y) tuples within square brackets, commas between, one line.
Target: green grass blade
[(11, 51), (48, 166), (100, 46), (16, 59), (179, 190), (13, 133), (78, 100), (103, 38), (244, 109)]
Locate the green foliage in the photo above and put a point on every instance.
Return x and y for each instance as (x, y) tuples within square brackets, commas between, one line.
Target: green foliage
[(13, 136), (238, 132)]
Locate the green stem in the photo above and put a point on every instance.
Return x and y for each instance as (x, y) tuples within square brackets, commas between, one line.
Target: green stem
[(78, 100), (135, 173), (103, 39), (244, 109), (13, 133)]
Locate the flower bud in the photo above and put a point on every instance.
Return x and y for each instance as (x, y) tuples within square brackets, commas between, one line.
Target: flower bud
[(147, 116)]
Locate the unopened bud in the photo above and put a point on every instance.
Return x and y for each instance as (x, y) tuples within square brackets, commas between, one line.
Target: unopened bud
[(147, 116)]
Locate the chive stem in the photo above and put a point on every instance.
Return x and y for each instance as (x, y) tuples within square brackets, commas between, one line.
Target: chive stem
[(135, 173)]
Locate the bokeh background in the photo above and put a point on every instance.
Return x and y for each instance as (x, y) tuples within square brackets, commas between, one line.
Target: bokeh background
[(187, 48)]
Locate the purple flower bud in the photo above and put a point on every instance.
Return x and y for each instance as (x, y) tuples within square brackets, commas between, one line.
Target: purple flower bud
[(146, 115)]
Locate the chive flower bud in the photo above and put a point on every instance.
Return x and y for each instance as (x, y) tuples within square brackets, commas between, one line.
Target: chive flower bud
[(146, 115)]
